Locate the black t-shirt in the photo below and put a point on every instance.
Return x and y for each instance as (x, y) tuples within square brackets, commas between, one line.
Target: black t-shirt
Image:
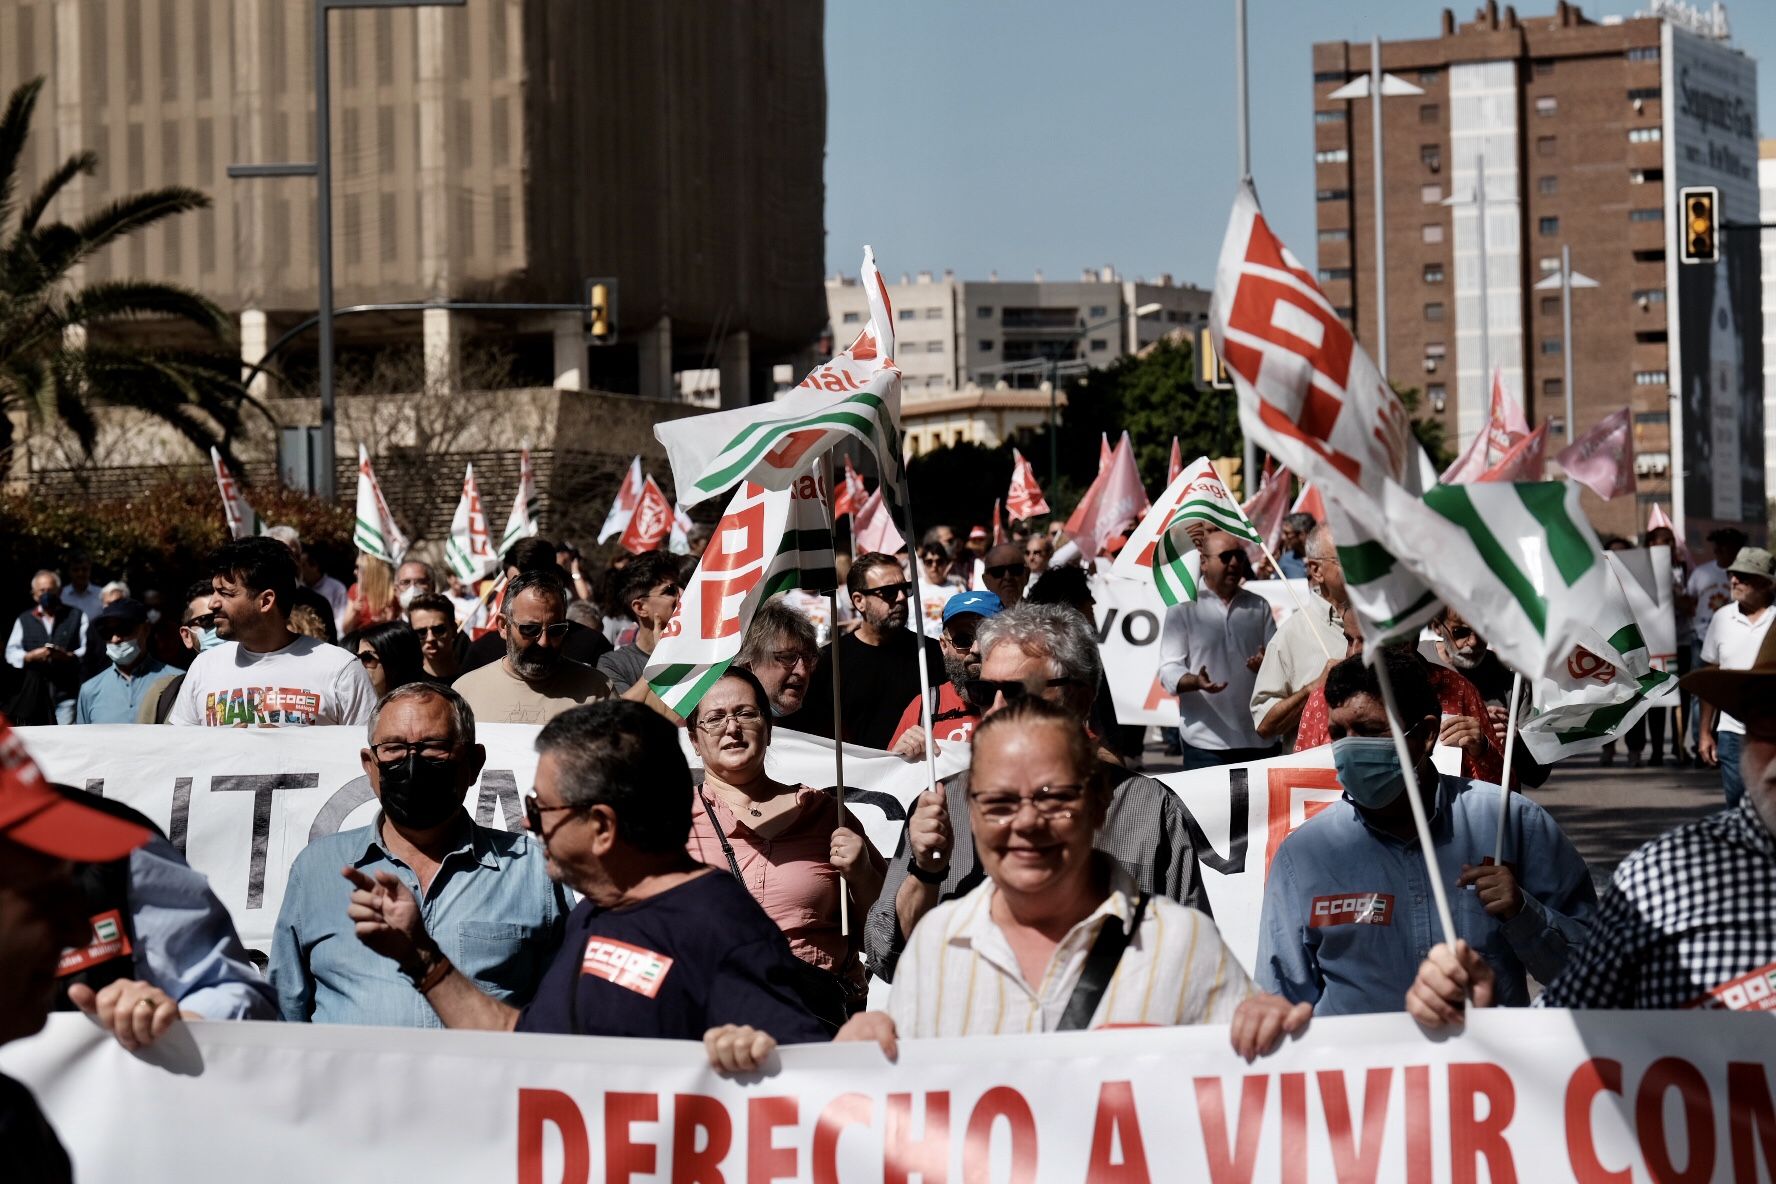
[(876, 684), (672, 967), (29, 1148), (582, 644)]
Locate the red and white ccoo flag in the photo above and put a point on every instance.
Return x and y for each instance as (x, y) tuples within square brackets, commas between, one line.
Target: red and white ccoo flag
[(651, 522), (850, 494), (469, 550), (1603, 458), (1024, 499), (1505, 427), (628, 497), (1523, 461), (1177, 464), (239, 516)]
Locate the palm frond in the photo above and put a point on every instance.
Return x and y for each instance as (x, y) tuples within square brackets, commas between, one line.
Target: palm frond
[(80, 163), (137, 211), (126, 300), (15, 128)]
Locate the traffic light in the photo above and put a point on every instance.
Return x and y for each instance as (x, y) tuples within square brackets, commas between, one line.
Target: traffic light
[(1699, 210), (1228, 469), (601, 312), (1209, 370)]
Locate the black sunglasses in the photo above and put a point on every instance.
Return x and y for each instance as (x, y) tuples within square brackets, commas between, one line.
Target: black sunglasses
[(531, 630), (200, 623), (1006, 570), (982, 691), (435, 630), (890, 592), (534, 811)]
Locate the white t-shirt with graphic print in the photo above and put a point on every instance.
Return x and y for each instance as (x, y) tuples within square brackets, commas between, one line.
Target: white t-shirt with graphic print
[(307, 682)]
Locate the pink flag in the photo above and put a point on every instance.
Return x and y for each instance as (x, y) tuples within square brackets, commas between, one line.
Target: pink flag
[(1024, 499), (1146, 502), (1523, 460), (1504, 427), (1266, 511), (1114, 501), (849, 495), (650, 523), (1177, 465), (1104, 452), (1308, 501), (872, 528), (999, 535), (1603, 458)]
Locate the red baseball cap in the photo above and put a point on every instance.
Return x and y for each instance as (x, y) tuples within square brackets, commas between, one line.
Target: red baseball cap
[(34, 815), (979, 532)]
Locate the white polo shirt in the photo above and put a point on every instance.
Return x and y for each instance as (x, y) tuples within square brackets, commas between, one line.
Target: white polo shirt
[(1732, 644), (1220, 635)]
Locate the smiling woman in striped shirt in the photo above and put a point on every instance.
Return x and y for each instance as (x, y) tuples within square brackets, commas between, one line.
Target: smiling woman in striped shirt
[(1039, 946)]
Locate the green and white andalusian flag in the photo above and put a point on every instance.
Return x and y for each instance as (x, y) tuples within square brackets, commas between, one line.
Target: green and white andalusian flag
[(855, 396), (1162, 547), (1607, 682), (769, 541), (375, 533)]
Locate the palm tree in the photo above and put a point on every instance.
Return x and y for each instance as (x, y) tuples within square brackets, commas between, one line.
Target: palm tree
[(52, 363)]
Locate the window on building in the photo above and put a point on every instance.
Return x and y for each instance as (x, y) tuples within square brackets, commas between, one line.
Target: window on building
[(852, 318), (1545, 145), (1649, 296), (1652, 336), (1547, 185), (984, 312), (1431, 156), (1644, 135), (1328, 75), (1651, 255), (934, 314), (1347, 315), (1652, 418), (1646, 215), (1433, 312), (1432, 232), (1551, 347), (1553, 388), (1329, 116), (1099, 345), (1646, 176), (934, 347), (1547, 227), (1546, 106), (1429, 112), (1643, 94), (1429, 77), (1334, 274), (1097, 311), (909, 314), (1548, 263), (1336, 235), (1332, 195), (1433, 273), (1549, 306), (1332, 156), (984, 345), (1644, 53), (1438, 394), (1435, 351), (1544, 68), (1651, 378), (1430, 194)]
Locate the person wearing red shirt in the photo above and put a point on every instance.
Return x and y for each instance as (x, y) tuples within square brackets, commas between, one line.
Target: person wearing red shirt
[(953, 717)]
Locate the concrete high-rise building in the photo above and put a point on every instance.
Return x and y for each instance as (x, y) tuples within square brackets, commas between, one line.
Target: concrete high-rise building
[(506, 150), (1580, 134), (976, 355), (1767, 212)]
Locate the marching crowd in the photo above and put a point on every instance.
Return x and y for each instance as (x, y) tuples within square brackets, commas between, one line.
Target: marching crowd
[(1049, 886)]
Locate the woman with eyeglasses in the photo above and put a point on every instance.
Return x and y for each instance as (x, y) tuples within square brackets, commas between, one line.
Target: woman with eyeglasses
[(792, 846), (390, 655), (1058, 936)]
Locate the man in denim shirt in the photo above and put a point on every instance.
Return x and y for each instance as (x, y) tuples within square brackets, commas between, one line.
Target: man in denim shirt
[(485, 894), (1348, 908)]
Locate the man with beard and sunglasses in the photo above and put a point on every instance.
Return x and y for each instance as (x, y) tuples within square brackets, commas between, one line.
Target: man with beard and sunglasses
[(1210, 651), (1464, 651), (488, 901), (953, 717), (535, 681), (1045, 650), (879, 661)]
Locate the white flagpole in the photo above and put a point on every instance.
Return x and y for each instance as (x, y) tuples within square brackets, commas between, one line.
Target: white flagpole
[(1498, 846), (1419, 822), (837, 700), (918, 607)]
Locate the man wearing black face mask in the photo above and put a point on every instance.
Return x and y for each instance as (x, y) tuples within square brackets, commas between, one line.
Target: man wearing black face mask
[(486, 894), (1348, 913)]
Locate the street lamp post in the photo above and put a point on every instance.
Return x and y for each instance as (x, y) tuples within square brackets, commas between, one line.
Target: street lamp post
[(1566, 279), (322, 170)]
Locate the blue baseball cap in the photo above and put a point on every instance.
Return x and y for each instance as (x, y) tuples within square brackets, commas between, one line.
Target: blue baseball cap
[(981, 604)]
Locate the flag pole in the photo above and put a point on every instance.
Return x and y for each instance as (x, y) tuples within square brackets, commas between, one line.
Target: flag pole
[(1498, 846), (493, 590), (1419, 822), (918, 608), (832, 599)]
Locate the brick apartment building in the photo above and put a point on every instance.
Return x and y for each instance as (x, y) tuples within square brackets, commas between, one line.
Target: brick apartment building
[(1584, 131)]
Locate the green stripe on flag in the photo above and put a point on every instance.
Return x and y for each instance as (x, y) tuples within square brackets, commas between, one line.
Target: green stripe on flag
[(1366, 562), (869, 427), (686, 698), (1627, 639), (1572, 551), (1453, 503), (1216, 515)]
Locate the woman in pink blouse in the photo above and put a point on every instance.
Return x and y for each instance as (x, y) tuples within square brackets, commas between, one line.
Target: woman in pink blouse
[(788, 844)]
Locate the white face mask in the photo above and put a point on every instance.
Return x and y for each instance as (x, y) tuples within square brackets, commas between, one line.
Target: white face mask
[(406, 596), (154, 616), (123, 653)]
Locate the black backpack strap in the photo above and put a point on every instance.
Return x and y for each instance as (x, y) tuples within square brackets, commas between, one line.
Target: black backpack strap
[(1099, 969), (727, 847)]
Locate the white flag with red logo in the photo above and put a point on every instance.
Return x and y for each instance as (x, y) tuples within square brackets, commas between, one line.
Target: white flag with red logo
[(469, 550), (849, 496), (1162, 546), (1024, 500), (1112, 504), (1177, 462), (650, 523), (616, 520), (1504, 428), (375, 532), (1523, 461), (522, 522), (242, 521), (1603, 458), (855, 396)]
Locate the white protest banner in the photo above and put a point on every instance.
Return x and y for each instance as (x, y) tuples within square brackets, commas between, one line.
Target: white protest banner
[(1525, 1095), (241, 802)]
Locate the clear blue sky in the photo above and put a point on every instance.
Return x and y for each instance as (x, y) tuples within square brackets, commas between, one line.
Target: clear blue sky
[(1055, 134)]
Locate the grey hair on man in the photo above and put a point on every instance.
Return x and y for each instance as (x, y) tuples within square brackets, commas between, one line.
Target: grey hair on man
[(771, 624), (1320, 544), (1051, 631), (462, 716), (287, 535)]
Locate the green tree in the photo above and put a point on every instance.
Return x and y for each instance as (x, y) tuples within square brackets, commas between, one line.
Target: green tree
[(59, 352)]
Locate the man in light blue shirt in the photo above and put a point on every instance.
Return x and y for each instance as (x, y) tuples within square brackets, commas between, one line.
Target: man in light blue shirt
[(485, 894), (115, 695), (1348, 908)]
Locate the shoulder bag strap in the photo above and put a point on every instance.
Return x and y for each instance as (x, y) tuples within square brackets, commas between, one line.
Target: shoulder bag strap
[(727, 848), (1100, 967)]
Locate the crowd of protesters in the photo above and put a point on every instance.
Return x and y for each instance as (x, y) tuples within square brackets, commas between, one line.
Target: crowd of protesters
[(650, 897)]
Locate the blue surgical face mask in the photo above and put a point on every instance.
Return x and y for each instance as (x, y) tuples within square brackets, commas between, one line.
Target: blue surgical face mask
[(208, 640), (123, 653), (1369, 770)]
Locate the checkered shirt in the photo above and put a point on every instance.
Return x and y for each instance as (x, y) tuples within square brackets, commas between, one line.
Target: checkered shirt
[(1684, 916)]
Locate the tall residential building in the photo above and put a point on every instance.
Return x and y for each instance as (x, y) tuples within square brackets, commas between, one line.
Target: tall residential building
[(1767, 213), (1578, 134), (977, 356), (506, 150)]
